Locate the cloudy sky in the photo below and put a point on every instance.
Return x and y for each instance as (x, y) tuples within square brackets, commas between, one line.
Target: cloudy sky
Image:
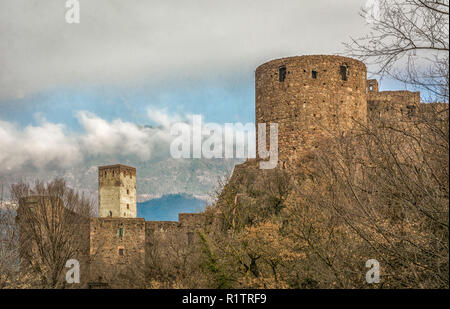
[(70, 89)]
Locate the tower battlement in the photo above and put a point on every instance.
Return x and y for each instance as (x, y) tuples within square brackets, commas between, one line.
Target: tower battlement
[(117, 191)]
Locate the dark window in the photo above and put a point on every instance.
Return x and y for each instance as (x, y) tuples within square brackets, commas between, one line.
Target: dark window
[(120, 232), (110, 213), (190, 238), (128, 191), (128, 206), (411, 110), (314, 74), (343, 72), (121, 251), (282, 73)]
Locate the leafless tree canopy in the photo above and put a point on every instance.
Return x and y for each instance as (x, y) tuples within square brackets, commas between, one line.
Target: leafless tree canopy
[(408, 41), (53, 221)]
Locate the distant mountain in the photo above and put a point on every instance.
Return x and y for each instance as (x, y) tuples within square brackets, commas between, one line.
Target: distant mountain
[(167, 207), (155, 178)]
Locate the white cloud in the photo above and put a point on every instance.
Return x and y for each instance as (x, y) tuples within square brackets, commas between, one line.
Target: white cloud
[(52, 144), (44, 144), (102, 137), (161, 116)]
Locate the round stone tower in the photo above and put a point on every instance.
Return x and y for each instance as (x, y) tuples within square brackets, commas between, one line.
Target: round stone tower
[(311, 98)]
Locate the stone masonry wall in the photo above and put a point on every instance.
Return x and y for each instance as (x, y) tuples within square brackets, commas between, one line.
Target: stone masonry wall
[(183, 231), (117, 191), (310, 97), (395, 105), (117, 249)]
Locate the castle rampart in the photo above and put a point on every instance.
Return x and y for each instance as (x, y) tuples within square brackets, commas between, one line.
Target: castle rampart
[(310, 97)]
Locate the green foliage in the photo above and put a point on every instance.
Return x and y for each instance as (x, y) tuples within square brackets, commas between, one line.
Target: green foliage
[(211, 265)]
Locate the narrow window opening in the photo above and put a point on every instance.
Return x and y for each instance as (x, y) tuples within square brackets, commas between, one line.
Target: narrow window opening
[(190, 238), (110, 213), (121, 251), (343, 72), (282, 73), (411, 110), (120, 232), (128, 191), (128, 206), (314, 74)]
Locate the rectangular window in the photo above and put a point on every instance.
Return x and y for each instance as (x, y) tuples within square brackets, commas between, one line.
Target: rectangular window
[(190, 238), (343, 72), (314, 74), (282, 73), (121, 251), (411, 111), (120, 232)]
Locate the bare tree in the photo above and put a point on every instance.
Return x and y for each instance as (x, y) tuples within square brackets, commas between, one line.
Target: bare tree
[(53, 222), (408, 41), (9, 253)]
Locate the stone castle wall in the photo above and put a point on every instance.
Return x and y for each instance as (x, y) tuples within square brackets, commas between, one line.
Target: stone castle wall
[(396, 105), (121, 245), (117, 191), (163, 235), (117, 248), (310, 97)]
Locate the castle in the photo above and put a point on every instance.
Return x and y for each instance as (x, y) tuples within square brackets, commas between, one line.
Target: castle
[(116, 239), (310, 97), (317, 97)]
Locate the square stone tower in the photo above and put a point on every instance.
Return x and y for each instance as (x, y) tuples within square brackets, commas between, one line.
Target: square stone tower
[(117, 191)]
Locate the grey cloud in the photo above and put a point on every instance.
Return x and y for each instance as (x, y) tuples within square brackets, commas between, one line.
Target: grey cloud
[(120, 42)]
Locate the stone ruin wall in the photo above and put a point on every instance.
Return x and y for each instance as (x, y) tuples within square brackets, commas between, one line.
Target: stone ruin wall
[(391, 105), (115, 245), (180, 233), (313, 98), (117, 191), (118, 243), (317, 97)]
